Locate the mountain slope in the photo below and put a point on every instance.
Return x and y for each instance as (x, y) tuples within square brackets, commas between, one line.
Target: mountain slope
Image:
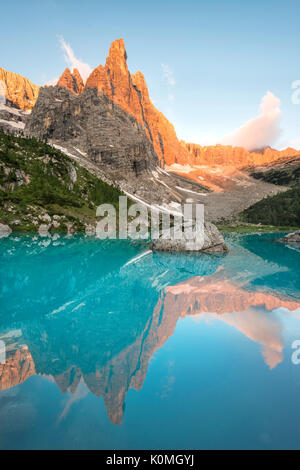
[(41, 185), (282, 209)]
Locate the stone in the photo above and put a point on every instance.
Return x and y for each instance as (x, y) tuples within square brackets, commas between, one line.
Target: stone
[(291, 238), (56, 224), (45, 217), (44, 230), (213, 242), (5, 230)]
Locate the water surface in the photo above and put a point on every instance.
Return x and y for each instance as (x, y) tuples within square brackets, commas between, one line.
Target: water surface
[(111, 346)]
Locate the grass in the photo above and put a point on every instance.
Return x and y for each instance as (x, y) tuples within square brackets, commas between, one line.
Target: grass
[(256, 228)]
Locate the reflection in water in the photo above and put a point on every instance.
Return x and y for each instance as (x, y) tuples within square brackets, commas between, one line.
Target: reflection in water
[(96, 315)]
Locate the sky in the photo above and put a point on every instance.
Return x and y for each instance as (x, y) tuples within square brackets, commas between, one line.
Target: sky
[(221, 71)]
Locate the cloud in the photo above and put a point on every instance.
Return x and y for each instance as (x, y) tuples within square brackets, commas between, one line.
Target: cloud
[(168, 77), (261, 131), (168, 74), (52, 82), (73, 61)]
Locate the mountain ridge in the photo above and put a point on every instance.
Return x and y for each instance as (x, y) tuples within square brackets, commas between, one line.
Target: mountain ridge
[(131, 93)]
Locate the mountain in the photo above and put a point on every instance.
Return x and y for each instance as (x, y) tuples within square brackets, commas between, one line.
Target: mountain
[(109, 124), (130, 92), (282, 209), (237, 157), (72, 81), (97, 132), (19, 92)]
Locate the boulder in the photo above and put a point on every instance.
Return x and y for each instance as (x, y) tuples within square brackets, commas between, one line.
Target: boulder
[(5, 230), (291, 238), (211, 242)]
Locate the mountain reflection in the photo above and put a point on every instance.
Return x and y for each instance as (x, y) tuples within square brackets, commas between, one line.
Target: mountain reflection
[(105, 332)]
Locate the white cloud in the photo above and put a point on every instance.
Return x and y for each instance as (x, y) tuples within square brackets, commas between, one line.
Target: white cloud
[(261, 131), (168, 74), (73, 61), (168, 77)]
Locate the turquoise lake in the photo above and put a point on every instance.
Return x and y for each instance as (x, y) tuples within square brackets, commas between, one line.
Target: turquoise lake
[(111, 346)]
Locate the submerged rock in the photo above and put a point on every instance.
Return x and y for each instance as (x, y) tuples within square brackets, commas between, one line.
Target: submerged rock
[(211, 242), (291, 238)]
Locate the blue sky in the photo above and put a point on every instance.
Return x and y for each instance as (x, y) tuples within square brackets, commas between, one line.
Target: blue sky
[(207, 64)]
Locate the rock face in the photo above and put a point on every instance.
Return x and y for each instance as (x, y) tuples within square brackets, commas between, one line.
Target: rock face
[(291, 238), (212, 242), (238, 157), (71, 81), (91, 122), (19, 91), (131, 94), (12, 120)]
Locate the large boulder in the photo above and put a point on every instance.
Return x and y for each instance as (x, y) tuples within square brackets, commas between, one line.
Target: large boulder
[(291, 237), (211, 242)]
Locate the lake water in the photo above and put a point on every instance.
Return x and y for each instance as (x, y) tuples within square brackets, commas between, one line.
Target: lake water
[(111, 346)]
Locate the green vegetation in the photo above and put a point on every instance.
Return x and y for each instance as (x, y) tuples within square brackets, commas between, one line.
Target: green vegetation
[(280, 210), (255, 228), (38, 181), (285, 175)]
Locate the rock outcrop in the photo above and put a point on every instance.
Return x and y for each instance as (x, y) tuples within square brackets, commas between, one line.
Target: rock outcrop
[(291, 238), (238, 157), (105, 139), (211, 241), (12, 120), (71, 81), (130, 92), (93, 123), (19, 91)]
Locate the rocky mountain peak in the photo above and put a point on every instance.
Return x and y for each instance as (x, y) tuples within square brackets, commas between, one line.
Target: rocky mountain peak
[(117, 55), (130, 92), (71, 81), (19, 92)]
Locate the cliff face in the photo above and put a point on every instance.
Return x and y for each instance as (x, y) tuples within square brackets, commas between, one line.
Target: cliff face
[(238, 157), (91, 122), (19, 91), (130, 92)]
